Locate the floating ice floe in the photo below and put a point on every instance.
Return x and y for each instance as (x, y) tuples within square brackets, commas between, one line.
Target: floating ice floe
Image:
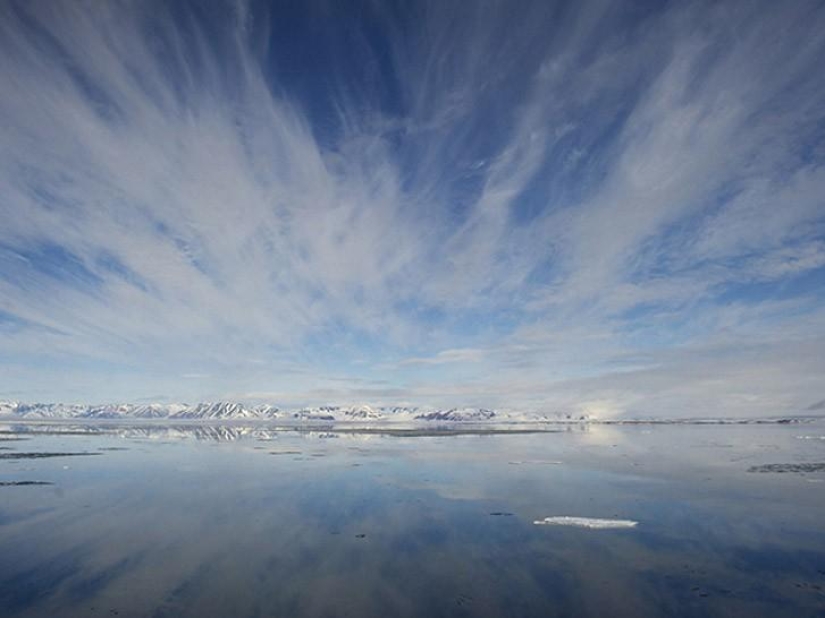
[(546, 462), (586, 522), (810, 437)]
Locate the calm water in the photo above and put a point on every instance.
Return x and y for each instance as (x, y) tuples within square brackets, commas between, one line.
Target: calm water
[(242, 522)]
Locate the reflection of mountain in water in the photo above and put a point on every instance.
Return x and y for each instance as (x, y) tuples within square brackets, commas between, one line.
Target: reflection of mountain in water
[(232, 432), (216, 433)]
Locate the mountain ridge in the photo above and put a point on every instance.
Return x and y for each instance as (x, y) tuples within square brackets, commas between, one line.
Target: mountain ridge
[(233, 410), (220, 411)]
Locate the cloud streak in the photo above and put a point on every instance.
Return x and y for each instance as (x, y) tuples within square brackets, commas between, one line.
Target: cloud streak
[(564, 205)]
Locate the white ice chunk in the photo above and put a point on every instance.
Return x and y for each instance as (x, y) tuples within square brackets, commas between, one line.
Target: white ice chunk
[(586, 522)]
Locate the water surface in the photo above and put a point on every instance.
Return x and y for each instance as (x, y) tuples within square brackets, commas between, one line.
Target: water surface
[(234, 521)]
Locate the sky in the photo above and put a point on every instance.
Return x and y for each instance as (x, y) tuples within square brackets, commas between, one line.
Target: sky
[(612, 208)]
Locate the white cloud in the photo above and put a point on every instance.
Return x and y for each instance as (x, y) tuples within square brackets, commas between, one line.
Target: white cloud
[(464, 355), (168, 203)]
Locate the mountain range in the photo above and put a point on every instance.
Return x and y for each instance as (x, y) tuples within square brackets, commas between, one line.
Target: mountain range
[(221, 411), (229, 410)]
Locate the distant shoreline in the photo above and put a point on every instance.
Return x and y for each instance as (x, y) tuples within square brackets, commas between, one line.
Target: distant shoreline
[(385, 427)]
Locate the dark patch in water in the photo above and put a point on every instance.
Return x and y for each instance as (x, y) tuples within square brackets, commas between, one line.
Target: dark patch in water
[(789, 467), (23, 483), (42, 455), (463, 599)]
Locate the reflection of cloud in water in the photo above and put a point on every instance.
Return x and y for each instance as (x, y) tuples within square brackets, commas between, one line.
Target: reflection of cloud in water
[(241, 532), (170, 431), (601, 435)]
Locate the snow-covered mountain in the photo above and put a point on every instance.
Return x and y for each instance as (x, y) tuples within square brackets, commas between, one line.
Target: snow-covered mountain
[(230, 410), (457, 414), (221, 411)]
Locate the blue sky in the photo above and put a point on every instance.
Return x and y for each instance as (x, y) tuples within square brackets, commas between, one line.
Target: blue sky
[(604, 207)]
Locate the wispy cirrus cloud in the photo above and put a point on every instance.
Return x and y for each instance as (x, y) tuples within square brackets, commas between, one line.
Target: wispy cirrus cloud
[(540, 206), (461, 355)]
